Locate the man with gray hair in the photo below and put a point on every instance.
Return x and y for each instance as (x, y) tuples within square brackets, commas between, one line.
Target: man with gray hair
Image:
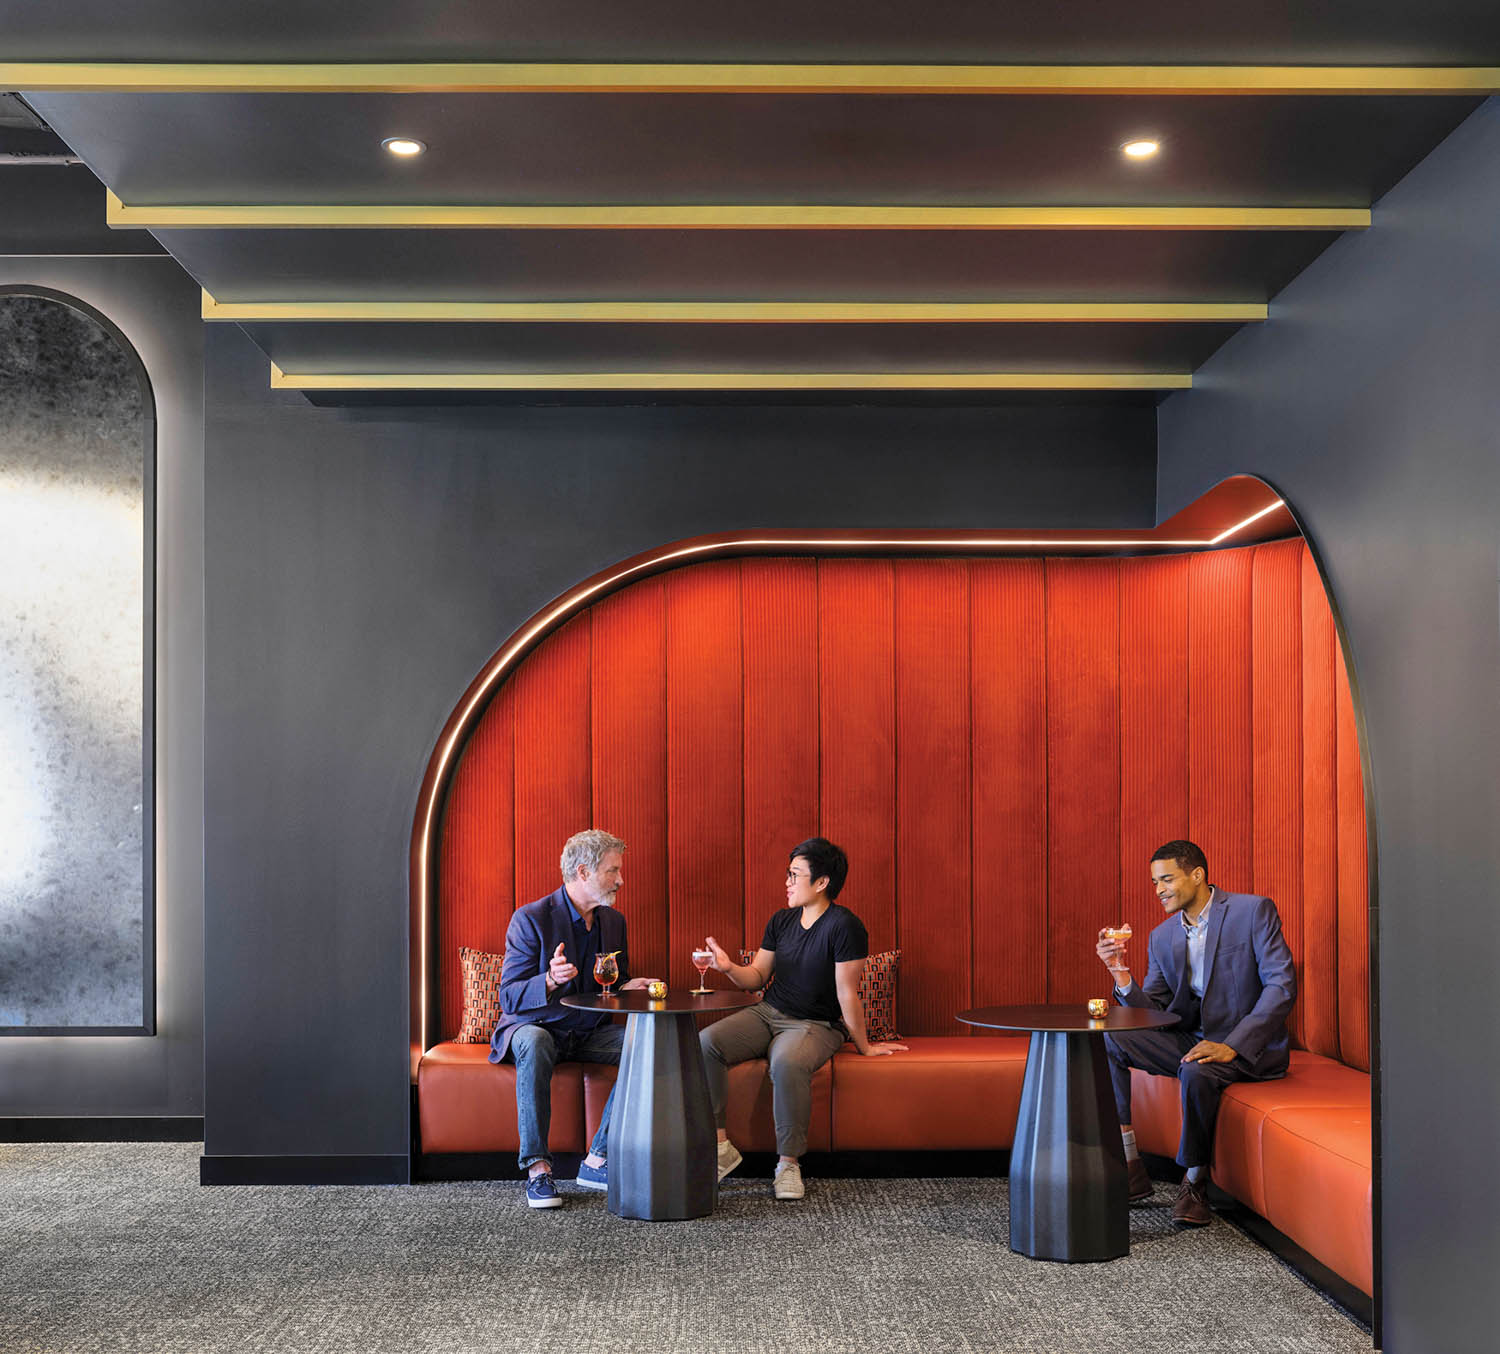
[(550, 949)]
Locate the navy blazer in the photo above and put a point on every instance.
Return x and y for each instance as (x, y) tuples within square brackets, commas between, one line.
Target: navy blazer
[(1251, 985), (531, 939)]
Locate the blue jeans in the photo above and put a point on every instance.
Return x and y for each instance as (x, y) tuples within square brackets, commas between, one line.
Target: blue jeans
[(536, 1050)]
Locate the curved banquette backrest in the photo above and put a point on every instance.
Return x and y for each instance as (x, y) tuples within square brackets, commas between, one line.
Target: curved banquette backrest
[(999, 744)]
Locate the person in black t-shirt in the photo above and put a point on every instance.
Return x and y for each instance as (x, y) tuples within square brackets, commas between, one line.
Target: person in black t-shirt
[(817, 950)]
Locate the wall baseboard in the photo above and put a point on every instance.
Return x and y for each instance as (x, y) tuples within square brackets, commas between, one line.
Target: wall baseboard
[(305, 1170), (95, 1128)]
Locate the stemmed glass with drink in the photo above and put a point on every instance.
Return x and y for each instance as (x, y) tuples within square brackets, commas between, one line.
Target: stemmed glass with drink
[(606, 971), (1118, 935), (702, 961)]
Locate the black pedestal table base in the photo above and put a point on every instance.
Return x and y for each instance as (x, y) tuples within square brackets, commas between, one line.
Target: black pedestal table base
[(1069, 1194), (661, 1129), (1069, 1191)]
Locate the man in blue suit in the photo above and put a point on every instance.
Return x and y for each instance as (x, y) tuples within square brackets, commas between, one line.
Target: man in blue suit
[(550, 948), (1218, 961)]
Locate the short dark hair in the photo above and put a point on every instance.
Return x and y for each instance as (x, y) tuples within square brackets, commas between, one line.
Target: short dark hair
[(823, 858), (1188, 855)]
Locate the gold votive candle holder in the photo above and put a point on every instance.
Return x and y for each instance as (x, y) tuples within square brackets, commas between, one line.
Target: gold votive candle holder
[(1098, 1007)]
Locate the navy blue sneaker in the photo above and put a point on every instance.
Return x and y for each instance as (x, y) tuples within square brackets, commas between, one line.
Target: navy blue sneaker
[(542, 1193), (593, 1177)]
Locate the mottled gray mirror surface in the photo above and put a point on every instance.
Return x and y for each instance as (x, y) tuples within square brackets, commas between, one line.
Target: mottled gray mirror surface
[(74, 923)]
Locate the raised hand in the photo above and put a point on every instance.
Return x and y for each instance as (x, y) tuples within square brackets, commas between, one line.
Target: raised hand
[(722, 963), (560, 969)]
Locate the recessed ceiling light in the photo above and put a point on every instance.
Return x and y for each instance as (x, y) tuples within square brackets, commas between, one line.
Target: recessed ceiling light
[(1143, 148), (404, 146)]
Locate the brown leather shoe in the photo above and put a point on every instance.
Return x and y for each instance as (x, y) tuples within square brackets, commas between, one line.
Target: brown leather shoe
[(1191, 1208), (1140, 1182)]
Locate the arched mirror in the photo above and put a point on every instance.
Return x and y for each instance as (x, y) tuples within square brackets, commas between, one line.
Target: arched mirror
[(77, 545)]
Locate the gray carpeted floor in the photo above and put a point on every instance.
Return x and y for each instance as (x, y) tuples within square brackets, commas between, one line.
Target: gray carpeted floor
[(115, 1247)]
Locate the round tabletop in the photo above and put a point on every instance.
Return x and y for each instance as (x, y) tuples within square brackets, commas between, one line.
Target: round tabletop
[(678, 1001), (1068, 1018)]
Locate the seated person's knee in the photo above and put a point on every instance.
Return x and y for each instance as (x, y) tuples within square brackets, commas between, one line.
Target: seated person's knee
[(532, 1041)]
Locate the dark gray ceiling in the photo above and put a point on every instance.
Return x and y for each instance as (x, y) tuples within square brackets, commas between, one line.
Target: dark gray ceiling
[(163, 149), (1335, 32)]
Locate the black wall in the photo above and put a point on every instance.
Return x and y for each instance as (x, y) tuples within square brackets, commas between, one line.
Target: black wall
[(1372, 400), (361, 568)]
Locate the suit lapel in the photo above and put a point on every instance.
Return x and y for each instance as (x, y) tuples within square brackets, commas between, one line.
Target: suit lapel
[(1211, 940), (1177, 949)]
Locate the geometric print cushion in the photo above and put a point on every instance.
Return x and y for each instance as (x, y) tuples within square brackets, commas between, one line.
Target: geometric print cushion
[(481, 973), (877, 990)]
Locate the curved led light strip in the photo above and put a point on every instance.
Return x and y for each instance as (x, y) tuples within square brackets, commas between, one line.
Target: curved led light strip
[(483, 687)]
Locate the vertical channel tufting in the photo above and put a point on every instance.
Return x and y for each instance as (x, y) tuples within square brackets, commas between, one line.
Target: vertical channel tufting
[(705, 761), (1153, 733), (552, 756), (932, 792), (629, 712), (1049, 737), (1220, 809), (476, 871), (779, 602), (1008, 700), (1320, 993), (1083, 768), (1353, 882), (857, 739), (1276, 625)]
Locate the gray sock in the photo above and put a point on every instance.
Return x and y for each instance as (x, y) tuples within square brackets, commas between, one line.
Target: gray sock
[(1127, 1135), (1197, 1175)]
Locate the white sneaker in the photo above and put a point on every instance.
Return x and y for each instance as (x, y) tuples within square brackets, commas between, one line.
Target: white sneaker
[(788, 1182), (729, 1157)]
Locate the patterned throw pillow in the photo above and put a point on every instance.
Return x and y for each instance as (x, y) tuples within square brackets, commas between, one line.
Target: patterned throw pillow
[(481, 972), (877, 989)]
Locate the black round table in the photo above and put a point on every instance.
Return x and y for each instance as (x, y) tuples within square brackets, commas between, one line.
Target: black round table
[(662, 1162), (1069, 1196)]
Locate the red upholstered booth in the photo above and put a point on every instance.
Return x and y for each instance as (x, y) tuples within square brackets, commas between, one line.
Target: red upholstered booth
[(998, 744)]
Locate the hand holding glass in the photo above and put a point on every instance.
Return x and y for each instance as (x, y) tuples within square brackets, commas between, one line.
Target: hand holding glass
[(702, 960), (606, 971)]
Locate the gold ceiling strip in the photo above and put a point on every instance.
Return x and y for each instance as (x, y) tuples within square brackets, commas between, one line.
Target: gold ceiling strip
[(502, 77), (749, 216), (735, 312), (729, 380)]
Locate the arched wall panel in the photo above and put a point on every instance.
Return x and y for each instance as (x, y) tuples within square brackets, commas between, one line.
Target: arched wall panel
[(999, 745)]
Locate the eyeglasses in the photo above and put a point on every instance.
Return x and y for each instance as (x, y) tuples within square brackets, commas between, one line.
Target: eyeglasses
[(792, 876)]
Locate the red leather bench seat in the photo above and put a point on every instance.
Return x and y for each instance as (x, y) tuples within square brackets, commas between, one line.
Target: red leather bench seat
[(946, 1094), (467, 1104), (1317, 1165), (1296, 1150)]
